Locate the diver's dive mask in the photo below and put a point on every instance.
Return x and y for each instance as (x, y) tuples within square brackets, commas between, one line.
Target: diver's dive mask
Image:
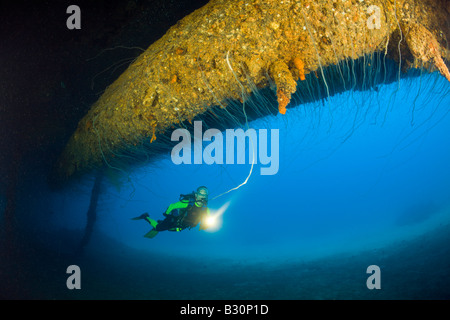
[(202, 195)]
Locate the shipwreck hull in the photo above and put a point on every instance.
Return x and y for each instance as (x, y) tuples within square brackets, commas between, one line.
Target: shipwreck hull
[(233, 61)]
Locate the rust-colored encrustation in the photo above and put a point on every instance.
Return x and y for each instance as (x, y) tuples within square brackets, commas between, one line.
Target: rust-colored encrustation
[(227, 49)]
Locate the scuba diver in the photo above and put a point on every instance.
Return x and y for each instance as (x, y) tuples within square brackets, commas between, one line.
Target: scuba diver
[(188, 212)]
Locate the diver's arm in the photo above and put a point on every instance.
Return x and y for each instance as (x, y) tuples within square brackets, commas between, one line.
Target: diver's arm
[(176, 205)]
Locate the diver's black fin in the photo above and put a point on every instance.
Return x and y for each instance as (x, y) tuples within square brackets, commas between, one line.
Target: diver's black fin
[(151, 234), (142, 216)]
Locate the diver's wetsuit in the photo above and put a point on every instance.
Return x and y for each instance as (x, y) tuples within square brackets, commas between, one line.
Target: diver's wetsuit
[(191, 210), (181, 215)]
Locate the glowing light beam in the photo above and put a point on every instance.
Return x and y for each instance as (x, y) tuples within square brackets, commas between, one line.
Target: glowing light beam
[(214, 221)]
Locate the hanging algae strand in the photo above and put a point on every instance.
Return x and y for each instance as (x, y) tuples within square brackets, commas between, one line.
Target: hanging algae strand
[(185, 73)]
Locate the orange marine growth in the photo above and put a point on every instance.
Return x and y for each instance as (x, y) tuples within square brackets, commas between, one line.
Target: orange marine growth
[(283, 101), (437, 59), (286, 85), (425, 47), (153, 135), (300, 65)]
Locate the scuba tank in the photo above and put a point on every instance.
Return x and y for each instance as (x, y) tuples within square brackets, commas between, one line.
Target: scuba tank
[(188, 197)]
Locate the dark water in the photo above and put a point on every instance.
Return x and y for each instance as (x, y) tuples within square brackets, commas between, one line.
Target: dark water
[(363, 180), (416, 269), (410, 270)]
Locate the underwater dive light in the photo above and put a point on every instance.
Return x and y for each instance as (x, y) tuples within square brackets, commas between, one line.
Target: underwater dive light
[(213, 222)]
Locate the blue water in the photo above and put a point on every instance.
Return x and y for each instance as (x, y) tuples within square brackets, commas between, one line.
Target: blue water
[(341, 180), (364, 179)]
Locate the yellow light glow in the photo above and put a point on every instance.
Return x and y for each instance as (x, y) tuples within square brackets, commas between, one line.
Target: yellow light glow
[(214, 221)]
